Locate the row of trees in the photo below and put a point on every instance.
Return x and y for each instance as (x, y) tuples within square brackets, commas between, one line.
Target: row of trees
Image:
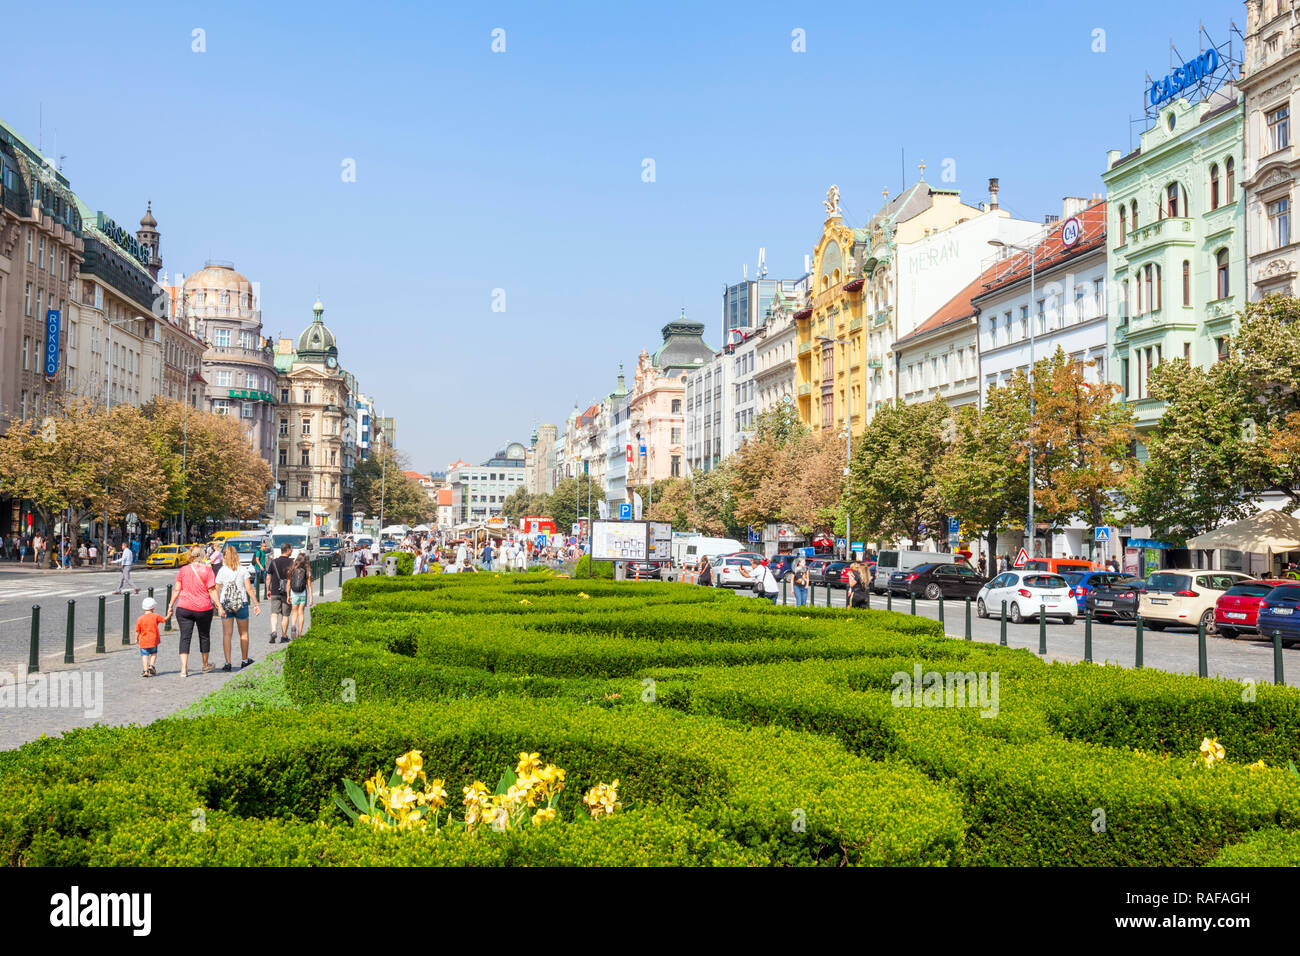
[(380, 485), (155, 461), (572, 499), (1228, 434)]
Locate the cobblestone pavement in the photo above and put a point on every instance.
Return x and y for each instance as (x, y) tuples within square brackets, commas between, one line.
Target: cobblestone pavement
[(101, 688)]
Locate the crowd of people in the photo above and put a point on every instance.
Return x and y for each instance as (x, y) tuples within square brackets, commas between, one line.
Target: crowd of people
[(507, 553)]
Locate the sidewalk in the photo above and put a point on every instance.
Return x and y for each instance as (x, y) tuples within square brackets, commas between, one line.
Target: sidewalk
[(108, 689)]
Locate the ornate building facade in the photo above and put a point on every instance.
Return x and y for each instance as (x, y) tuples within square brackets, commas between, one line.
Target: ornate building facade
[(1270, 82), (312, 464)]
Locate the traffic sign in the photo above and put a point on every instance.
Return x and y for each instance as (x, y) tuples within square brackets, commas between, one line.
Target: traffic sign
[(839, 542), (576, 529), (1101, 534), (1022, 558), (625, 510)]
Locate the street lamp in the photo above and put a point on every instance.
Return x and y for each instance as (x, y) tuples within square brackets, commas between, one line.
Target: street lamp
[(1032, 252), (848, 449)]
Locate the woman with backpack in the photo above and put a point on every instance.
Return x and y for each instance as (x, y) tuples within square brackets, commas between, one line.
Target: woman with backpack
[(800, 583), (235, 592), (299, 594), (193, 602)]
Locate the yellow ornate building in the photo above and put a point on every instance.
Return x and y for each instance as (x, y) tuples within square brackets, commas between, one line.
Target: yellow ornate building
[(845, 367)]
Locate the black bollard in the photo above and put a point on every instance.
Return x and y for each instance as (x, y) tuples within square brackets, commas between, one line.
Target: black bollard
[(828, 594), (941, 610), (68, 657), (913, 612), (1087, 636), (783, 600), (99, 629), (34, 651), (969, 637), (126, 619), (167, 626), (1278, 677), (1203, 666), (1003, 638), (889, 600), (1042, 629), (1138, 656)]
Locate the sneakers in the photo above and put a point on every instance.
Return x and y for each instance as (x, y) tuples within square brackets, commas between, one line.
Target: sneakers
[(274, 637), (245, 662), (226, 668)]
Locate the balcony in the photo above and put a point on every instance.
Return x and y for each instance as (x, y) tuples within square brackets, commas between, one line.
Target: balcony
[(805, 390), (855, 324), (238, 353), (805, 348), (875, 363), (1159, 233), (882, 318)]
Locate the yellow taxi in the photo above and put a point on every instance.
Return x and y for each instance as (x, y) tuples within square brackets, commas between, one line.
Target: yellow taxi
[(168, 556)]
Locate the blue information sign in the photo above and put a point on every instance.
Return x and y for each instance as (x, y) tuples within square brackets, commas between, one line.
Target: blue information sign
[(625, 511), (1101, 534), (52, 322)]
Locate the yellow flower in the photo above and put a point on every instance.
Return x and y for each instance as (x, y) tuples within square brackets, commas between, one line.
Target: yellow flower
[(584, 595), (543, 816), (364, 818), (527, 764), (602, 798), (525, 601), (1258, 765), (1212, 750), (435, 795), (410, 764)]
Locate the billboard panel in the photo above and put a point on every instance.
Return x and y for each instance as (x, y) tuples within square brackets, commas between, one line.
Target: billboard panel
[(618, 540), (660, 544)]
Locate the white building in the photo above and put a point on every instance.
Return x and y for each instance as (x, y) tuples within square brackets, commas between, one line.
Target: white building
[(776, 348), (1067, 310), (710, 423)]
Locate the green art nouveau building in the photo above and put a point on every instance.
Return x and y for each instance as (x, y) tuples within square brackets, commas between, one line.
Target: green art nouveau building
[(1176, 245)]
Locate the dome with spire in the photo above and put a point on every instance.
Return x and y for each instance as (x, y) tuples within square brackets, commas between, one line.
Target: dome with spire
[(147, 220), (317, 341)]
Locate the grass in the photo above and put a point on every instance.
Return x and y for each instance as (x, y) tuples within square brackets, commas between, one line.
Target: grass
[(260, 687)]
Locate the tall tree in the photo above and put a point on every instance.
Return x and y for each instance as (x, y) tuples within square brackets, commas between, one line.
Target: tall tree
[(380, 483), (895, 488)]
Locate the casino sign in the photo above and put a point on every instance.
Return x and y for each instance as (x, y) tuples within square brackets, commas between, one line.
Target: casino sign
[(1190, 74)]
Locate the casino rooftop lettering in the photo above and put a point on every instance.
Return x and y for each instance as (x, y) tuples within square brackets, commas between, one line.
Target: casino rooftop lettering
[(1189, 74)]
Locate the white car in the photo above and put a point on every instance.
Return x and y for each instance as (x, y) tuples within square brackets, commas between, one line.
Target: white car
[(1028, 594), (733, 573)]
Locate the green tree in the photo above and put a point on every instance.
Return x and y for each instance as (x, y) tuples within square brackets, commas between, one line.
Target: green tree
[(569, 502), (380, 482), (895, 487), (521, 503)]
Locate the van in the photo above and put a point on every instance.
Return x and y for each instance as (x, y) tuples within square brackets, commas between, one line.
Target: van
[(304, 538), (688, 550), (219, 539), (246, 545), (887, 562)]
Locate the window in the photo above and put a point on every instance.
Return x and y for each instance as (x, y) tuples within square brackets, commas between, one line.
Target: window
[(1175, 201), (676, 436), (305, 430), (1133, 208), (248, 410), (1124, 377), (220, 406), (29, 245), (1221, 260), (304, 489), (284, 427), (306, 396), (1229, 169), (1187, 352), (27, 300), (40, 254), (1187, 282), (676, 466), (1099, 297), (221, 338), (1123, 224), (284, 396), (27, 348), (1214, 185), (284, 456), (305, 458), (245, 340), (251, 381), (1279, 128), (334, 457), (1279, 223)]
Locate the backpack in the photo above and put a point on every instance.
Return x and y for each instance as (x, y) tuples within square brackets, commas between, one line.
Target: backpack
[(233, 597), (299, 580)]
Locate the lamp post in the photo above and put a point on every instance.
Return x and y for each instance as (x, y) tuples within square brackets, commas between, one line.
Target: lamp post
[(848, 449), (1032, 252)]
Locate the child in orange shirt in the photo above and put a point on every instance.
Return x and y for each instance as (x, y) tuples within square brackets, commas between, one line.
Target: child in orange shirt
[(146, 635)]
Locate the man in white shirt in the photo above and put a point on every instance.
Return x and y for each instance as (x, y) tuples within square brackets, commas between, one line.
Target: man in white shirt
[(125, 561)]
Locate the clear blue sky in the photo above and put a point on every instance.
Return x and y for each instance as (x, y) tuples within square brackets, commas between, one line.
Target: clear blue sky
[(522, 170)]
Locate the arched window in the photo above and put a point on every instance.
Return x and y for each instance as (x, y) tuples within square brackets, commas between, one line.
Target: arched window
[(1123, 223), (1187, 282), (1221, 261), (1229, 168), (1214, 185), (1134, 209), (1141, 289), (1175, 201), (1160, 282)]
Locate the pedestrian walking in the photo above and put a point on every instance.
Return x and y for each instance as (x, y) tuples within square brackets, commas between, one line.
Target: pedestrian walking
[(300, 597), (277, 592), (236, 594), (705, 577), (194, 603), (360, 558), (800, 583), (765, 583), (125, 561), (260, 557), (147, 636), (521, 559), (94, 553), (487, 556), (983, 563), (856, 595)]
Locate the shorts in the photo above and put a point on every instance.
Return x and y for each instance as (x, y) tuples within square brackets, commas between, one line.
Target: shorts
[(241, 614), (279, 603), (298, 598), (148, 651)]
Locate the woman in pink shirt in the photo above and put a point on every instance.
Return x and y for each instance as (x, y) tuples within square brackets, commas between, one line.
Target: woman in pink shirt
[(194, 602)]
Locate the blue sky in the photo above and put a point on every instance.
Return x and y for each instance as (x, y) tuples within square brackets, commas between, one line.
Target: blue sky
[(522, 170)]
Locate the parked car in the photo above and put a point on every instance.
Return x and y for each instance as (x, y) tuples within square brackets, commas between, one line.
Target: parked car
[(1237, 609), (1028, 594), (782, 564), (817, 569), (1173, 598), (733, 572), (752, 555), (646, 571), (167, 556), (1115, 601), (934, 581), (1061, 565), (1082, 582), (890, 561), (834, 574), (1281, 612)]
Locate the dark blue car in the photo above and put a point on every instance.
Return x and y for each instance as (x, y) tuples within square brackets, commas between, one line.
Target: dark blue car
[(1082, 582), (1280, 612)]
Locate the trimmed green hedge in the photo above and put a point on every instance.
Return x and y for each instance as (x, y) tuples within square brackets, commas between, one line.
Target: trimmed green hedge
[(405, 563), (1271, 846), (697, 790)]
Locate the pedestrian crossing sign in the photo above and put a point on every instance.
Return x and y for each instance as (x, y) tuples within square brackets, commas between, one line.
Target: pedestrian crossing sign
[(1022, 558)]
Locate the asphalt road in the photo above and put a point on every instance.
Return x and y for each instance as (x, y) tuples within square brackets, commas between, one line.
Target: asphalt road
[(1173, 650)]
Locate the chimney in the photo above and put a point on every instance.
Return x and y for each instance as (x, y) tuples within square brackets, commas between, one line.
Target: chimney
[(1072, 206), (993, 192)]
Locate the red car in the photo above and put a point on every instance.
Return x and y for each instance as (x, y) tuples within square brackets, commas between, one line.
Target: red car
[(1237, 609)]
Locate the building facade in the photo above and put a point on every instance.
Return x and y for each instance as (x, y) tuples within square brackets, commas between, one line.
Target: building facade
[(1176, 258), (774, 378), (478, 492), (221, 307), (1270, 84), (311, 466)]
